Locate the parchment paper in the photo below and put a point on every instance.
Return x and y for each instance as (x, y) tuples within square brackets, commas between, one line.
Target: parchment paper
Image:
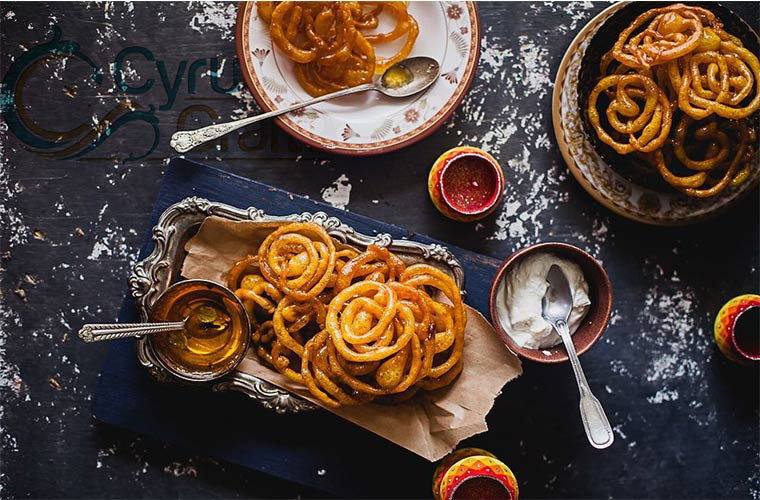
[(431, 424)]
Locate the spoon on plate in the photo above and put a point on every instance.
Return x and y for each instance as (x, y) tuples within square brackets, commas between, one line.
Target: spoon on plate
[(403, 79), (555, 309)]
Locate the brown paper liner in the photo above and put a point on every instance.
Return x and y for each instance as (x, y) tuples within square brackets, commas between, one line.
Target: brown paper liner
[(431, 424)]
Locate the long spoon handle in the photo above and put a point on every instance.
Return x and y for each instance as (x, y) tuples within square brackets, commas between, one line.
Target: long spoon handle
[(185, 140), (113, 331), (594, 419)]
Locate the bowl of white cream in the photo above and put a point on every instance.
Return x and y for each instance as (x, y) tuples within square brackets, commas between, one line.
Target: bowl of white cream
[(519, 286)]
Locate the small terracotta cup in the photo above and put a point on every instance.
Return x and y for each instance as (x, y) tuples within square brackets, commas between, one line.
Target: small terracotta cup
[(736, 329), (486, 476), (597, 317), (466, 184)]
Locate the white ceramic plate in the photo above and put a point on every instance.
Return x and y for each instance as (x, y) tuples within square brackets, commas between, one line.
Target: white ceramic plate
[(367, 123)]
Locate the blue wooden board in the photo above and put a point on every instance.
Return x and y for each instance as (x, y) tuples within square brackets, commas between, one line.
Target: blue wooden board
[(316, 449)]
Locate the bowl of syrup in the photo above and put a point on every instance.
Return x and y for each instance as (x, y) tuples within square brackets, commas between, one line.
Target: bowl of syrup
[(216, 333), (466, 184)]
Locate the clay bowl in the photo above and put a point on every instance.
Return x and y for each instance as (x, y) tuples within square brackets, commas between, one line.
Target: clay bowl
[(466, 184), (593, 325)]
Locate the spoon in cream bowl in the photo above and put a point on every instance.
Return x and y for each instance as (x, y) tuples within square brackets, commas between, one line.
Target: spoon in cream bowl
[(403, 79), (555, 309)]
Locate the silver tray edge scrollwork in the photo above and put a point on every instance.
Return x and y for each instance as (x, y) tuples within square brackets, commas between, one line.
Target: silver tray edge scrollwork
[(152, 275)]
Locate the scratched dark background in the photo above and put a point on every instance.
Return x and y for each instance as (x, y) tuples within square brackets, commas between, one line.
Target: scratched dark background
[(75, 200)]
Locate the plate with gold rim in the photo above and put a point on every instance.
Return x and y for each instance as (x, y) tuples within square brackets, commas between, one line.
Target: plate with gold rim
[(367, 123), (619, 193)]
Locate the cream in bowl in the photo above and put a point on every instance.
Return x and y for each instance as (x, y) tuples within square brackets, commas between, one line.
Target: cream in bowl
[(519, 301), (519, 286)]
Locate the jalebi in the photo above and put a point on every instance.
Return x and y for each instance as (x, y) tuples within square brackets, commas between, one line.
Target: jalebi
[(672, 32), (677, 64), (326, 41), (378, 330), (297, 264), (639, 106), (718, 81)]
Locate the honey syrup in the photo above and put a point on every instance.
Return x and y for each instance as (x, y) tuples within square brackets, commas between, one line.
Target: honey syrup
[(213, 333)]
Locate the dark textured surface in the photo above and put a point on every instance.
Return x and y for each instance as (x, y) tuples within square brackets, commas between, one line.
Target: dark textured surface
[(686, 420)]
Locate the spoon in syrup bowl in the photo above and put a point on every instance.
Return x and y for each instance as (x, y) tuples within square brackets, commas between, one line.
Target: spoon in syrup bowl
[(555, 309), (200, 322), (403, 79), (114, 331)]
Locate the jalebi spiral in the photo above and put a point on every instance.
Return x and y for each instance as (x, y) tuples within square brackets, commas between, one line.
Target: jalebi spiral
[(677, 65), (352, 327), (326, 42)]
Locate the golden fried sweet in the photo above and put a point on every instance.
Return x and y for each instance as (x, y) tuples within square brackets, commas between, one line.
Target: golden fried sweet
[(724, 148), (671, 32), (376, 264), (270, 349), (422, 276), (718, 81), (677, 64), (377, 329), (325, 40), (405, 25), (639, 110), (299, 259)]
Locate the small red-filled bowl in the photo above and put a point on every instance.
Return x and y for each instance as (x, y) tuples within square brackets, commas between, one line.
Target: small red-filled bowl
[(594, 323), (466, 184)]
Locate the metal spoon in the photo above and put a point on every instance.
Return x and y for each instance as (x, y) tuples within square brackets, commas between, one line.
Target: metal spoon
[(555, 309), (403, 79), (113, 331)]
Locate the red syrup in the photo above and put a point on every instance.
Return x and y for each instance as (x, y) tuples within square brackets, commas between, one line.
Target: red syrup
[(481, 488), (470, 184), (747, 333)]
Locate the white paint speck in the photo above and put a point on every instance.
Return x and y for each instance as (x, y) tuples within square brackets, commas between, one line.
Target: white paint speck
[(14, 229), (214, 16), (662, 396), (619, 430), (535, 67), (339, 193), (177, 469)]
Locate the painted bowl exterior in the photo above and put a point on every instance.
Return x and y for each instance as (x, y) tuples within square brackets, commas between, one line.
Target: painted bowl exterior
[(725, 322), (477, 466), (451, 459)]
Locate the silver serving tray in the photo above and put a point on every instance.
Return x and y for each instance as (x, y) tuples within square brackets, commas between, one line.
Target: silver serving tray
[(180, 222)]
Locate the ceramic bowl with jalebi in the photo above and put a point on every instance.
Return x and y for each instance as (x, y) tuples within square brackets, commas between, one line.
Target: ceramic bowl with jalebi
[(669, 95)]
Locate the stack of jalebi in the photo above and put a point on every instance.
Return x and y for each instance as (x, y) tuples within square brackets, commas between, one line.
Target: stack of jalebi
[(351, 326), (326, 41), (677, 65)]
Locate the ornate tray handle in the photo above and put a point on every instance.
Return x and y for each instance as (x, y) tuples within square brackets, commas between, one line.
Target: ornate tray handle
[(151, 276), (265, 393)]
